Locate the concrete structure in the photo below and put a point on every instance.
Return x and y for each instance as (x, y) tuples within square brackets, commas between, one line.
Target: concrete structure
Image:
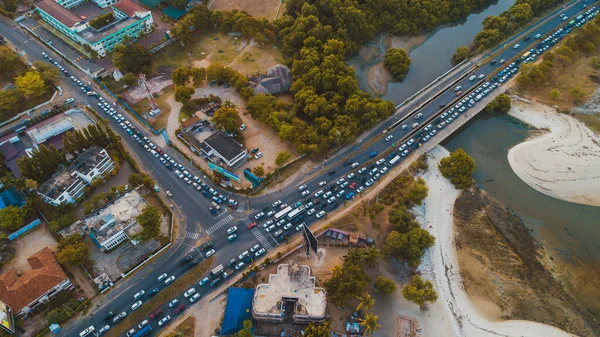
[(67, 185), (222, 148), (278, 80), (56, 125), (290, 296), (22, 293), (114, 223), (72, 18)]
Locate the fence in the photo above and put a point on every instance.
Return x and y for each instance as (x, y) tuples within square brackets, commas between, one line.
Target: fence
[(24, 230), (162, 45)]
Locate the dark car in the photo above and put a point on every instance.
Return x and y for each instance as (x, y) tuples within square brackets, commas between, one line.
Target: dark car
[(109, 315), (206, 246), (156, 313), (194, 262), (186, 259), (153, 292), (332, 172), (180, 308), (347, 163), (334, 206), (231, 262)]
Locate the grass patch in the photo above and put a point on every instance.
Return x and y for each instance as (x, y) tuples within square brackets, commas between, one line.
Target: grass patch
[(141, 106), (186, 328), (116, 87), (161, 120), (163, 297), (592, 121)]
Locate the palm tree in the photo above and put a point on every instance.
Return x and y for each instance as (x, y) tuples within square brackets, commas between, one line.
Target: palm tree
[(370, 256), (354, 256), (365, 302), (370, 323)]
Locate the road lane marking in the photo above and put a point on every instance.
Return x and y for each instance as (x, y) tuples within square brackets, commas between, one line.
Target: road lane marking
[(219, 224)]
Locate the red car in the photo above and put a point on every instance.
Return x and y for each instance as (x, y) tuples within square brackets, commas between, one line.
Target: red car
[(252, 225), (353, 185), (156, 313), (179, 308)]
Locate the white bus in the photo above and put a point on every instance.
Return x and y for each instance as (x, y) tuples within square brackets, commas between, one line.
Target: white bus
[(283, 213), (394, 161), (293, 214)]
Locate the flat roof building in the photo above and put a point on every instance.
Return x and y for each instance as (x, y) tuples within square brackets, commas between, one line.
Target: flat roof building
[(100, 24), (291, 296), (226, 149), (67, 185)]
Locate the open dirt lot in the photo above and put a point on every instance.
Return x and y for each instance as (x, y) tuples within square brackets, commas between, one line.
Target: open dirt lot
[(260, 9), (207, 317), (29, 244)]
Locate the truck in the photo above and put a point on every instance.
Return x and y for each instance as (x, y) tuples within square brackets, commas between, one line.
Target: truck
[(228, 273), (143, 332), (218, 270), (526, 55)]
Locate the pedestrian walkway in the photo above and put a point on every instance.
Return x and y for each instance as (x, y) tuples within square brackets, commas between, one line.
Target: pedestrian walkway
[(192, 235), (219, 224), (262, 239)]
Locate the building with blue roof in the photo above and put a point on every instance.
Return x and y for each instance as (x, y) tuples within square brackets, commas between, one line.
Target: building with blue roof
[(237, 310)]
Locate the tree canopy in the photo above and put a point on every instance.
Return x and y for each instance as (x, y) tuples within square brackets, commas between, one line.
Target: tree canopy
[(385, 285), (149, 219), (314, 330), (410, 245), (459, 168), (500, 103), (183, 94), (131, 57), (419, 291), (228, 119), (397, 63), (31, 83), (460, 55), (72, 250), (12, 218), (282, 158), (347, 282)]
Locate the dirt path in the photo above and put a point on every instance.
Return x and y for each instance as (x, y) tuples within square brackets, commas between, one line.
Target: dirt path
[(29, 244)]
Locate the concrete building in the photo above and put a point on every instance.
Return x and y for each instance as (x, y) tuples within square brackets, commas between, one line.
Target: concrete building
[(219, 147), (67, 185), (24, 292), (277, 80), (73, 17), (290, 296), (114, 223)]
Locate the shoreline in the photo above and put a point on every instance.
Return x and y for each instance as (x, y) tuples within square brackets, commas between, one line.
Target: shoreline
[(455, 311), (564, 161)]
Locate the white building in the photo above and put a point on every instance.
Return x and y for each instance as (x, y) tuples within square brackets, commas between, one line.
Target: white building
[(68, 184), (226, 149)]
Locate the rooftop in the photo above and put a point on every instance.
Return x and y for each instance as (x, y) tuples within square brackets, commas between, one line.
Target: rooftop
[(19, 291), (63, 15), (291, 281), (12, 152), (225, 146), (129, 7)]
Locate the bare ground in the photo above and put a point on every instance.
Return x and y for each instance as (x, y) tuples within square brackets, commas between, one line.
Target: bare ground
[(261, 9), (502, 269), (29, 244), (378, 79)]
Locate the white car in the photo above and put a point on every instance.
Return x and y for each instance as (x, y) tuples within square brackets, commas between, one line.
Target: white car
[(164, 320), (330, 200), (362, 170), (259, 215), (242, 127), (354, 165), (318, 194), (270, 228), (255, 248), (243, 255), (288, 226), (388, 138), (162, 277), (136, 305), (351, 175), (276, 203), (472, 78), (340, 181), (239, 266), (260, 252), (327, 195), (189, 292), (305, 193), (138, 294), (380, 161), (268, 223), (103, 330), (322, 183), (360, 189), (299, 227), (302, 187), (340, 194), (209, 253), (194, 298), (232, 230), (321, 214), (170, 280), (270, 213), (173, 303), (369, 182), (311, 211)]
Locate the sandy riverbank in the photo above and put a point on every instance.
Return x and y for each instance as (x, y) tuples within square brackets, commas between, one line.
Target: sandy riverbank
[(564, 162), (454, 314)]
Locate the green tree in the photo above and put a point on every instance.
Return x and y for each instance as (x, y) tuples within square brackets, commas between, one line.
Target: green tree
[(409, 246), (370, 323), (419, 291), (48, 73), (228, 119), (460, 55), (500, 103), (397, 63), (130, 79), (346, 283), (246, 331), (10, 62), (365, 302), (259, 171), (555, 94), (131, 57), (313, 330), (57, 315), (12, 218), (198, 75), (72, 250), (401, 219), (282, 158), (31, 83), (385, 285), (369, 256), (180, 75), (149, 219), (183, 94), (418, 191), (577, 94), (595, 62), (459, 168)]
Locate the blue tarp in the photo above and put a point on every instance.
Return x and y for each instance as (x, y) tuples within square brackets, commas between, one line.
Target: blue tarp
[(174, 12), (237, 310), (11, 197)]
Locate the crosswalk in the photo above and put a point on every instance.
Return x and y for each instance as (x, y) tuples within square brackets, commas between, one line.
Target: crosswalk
[(262, 239), (219, 224), (192, 235)]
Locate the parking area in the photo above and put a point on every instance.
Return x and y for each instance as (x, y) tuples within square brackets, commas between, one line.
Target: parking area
[(121, 259)]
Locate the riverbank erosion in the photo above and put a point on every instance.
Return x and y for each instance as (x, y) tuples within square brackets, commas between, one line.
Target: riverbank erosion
[(503, 267), (563, 162)]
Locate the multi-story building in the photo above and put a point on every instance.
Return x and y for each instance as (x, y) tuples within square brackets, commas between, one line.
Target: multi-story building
[(291, 296), (67, 185), (24, 292), (101, 24)]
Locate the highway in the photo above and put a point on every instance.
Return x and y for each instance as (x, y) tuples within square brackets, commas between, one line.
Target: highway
[(192, 208)]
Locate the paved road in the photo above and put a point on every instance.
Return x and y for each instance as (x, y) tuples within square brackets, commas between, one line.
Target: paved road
[(193, 208)]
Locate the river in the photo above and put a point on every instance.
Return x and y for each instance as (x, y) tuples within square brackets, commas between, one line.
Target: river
[(432, 58)]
